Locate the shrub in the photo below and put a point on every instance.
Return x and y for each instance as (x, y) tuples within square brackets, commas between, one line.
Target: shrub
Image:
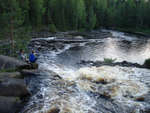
[(147, 63), (52, 28), (109, 60)]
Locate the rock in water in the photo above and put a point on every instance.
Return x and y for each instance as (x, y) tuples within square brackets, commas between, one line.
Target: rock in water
[(10, 104), (9, 62), (13, 87), (54, 110)]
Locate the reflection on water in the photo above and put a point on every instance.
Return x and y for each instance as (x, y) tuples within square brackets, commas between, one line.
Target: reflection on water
[(85, 89)]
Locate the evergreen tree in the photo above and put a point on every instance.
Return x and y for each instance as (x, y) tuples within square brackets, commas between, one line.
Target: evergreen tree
[(36, 12), (91, 16), (24, 5), (12, 17), (74, 14), (101, 12), (81, 13)]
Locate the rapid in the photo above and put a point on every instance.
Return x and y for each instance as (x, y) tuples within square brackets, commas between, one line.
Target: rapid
[(65, 85)]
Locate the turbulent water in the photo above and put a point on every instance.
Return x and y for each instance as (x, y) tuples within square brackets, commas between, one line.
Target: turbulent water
[(73, 87)]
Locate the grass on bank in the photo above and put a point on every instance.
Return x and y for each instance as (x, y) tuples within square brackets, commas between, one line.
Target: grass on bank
[(109, 60)]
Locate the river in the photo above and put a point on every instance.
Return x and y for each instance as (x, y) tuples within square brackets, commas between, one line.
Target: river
[(73, 87)]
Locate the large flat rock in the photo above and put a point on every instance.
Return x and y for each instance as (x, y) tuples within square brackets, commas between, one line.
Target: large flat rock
[(31, 72), (10, 75), (13, 87), (9, 62), (9, 104)]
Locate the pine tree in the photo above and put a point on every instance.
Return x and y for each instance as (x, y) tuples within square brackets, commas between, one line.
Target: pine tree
[(12, 18), (101, 12), (24, 5), (90, 14), (36, 12)]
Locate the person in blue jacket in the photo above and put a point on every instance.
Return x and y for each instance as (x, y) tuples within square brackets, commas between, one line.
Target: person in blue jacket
[(32, 57)]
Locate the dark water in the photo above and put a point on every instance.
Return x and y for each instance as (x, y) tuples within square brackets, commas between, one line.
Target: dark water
[(80, 90)]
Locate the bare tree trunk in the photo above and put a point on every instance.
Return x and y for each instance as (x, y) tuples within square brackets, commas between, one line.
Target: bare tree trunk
[(12, 36)]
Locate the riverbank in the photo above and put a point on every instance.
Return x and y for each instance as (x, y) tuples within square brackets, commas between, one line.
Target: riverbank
[(136, 31), (122, 64), (24, 35), (14, 92)]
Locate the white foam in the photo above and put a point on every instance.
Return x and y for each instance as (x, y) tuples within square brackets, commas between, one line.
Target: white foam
[(122, 35), (120, 84), (47, 39)]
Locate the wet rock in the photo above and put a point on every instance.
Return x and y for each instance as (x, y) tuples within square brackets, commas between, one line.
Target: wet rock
[(140, 98), (106, 95), (10, 104), (10, 75), (39, 96), (103, 95), (54, 75), (102, 81), (13, 87), (9, 62), (54, 110), (147, 63), (102, 63), (147, 111)]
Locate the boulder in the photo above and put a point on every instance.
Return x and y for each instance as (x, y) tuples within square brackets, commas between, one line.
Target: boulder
[(13, 87), (147, 110), (147, 63), (33, 72), (54, 110), (28, 66), (10, 104), (9, 62), (141, 98), (10, 75)]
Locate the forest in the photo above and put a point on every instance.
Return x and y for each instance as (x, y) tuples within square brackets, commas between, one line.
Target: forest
[(75, 14), (63, 15), (74, 56)]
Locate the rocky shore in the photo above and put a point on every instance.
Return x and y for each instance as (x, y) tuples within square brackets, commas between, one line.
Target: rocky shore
[(71, 34), (13, 88), (123, 64)]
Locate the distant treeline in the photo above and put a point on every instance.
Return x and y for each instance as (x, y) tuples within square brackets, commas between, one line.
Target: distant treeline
[(74, 14)]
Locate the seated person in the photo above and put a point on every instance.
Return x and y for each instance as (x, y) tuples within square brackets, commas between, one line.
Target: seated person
[(22, 55), (32, 57)]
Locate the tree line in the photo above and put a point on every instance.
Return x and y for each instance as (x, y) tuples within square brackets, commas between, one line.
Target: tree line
[(73, 14)]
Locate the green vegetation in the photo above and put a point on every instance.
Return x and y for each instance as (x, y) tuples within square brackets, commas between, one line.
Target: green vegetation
[(53, 28), (8, 70), (62, 15), (109, 60), (21, 40), (74, 14), (147, 63)]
